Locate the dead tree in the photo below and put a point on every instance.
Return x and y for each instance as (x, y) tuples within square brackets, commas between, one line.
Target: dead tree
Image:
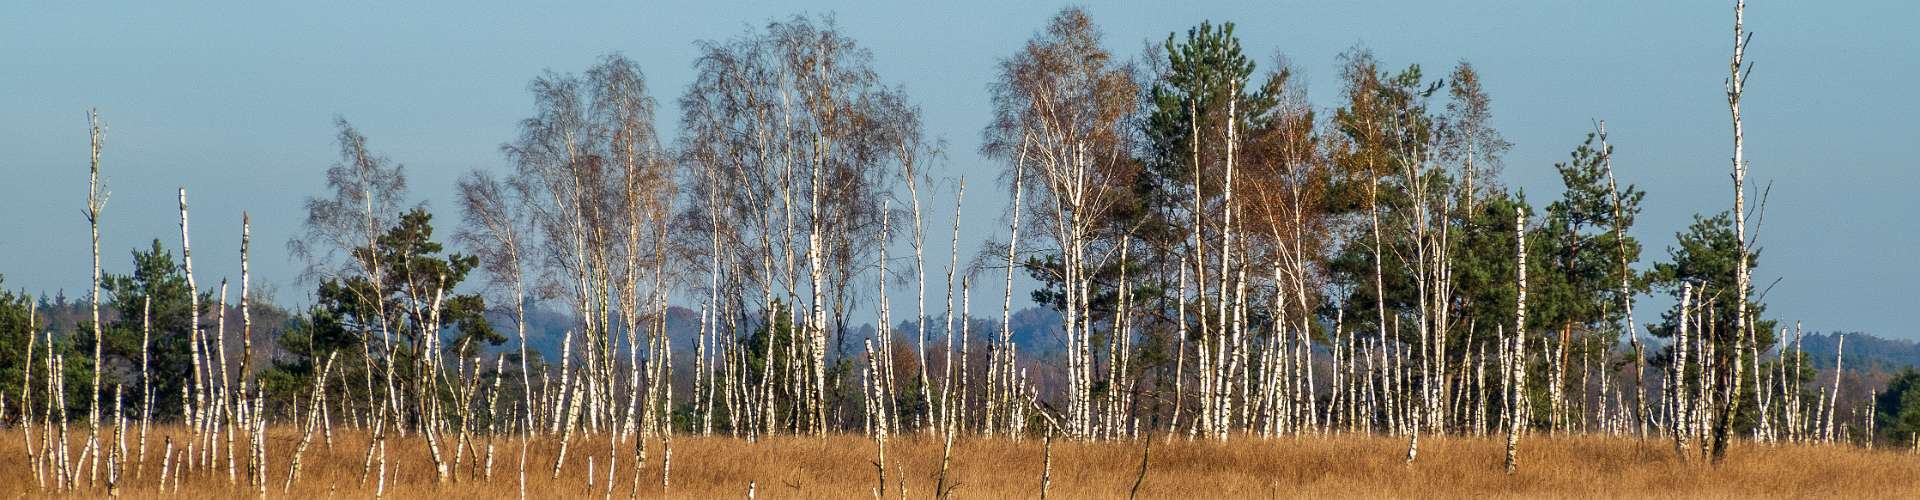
[(96, 200), (1738, 70)]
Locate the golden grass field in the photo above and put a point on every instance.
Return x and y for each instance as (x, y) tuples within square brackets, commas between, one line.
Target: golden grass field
[(841, 466)]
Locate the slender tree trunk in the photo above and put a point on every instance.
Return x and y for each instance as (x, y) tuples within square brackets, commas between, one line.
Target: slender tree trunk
[(1640, 416), (1736, 83), (1006, 364), (26, 398), (96, 199), (146, 384), (1838, 370), (944, 413), (1518, 364), (1680, 396), (197, 407)]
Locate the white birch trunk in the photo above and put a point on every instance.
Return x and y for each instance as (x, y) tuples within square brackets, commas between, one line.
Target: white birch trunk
[(1518, 364)]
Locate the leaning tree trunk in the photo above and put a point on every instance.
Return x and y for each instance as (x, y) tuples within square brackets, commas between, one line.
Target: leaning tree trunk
[(1626, 291)]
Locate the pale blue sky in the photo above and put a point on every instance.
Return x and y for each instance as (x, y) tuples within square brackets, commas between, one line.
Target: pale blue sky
[(235, 99)]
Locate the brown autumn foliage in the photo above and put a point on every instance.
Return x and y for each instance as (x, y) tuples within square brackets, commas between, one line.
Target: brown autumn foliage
[(841, 466)]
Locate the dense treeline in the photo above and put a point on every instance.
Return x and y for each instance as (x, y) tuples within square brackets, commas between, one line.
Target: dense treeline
[(1227, 259)]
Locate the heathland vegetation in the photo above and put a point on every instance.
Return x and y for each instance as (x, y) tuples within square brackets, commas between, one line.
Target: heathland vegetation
[(1241, 293)]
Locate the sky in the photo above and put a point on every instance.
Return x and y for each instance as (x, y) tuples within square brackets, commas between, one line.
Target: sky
[(235, 101)]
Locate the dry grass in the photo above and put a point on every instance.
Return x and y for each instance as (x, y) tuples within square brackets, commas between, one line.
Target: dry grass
[(841, 466)]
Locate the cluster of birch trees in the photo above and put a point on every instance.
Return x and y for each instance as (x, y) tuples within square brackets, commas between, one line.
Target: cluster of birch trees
[(1228, 260)]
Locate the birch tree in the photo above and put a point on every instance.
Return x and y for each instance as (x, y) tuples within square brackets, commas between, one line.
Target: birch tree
[(1737, 72), (1068, 97)]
